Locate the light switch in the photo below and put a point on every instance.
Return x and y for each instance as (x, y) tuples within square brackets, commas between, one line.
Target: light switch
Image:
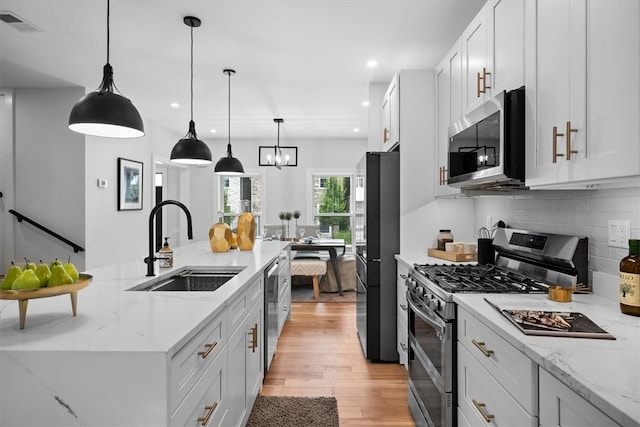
[(102, 183)]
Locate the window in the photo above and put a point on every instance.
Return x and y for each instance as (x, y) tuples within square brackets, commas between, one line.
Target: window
[(236, 189), (332, 206)]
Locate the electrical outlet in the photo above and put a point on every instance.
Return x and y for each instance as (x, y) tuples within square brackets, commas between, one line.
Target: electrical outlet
[(619, 233), (102, 183)]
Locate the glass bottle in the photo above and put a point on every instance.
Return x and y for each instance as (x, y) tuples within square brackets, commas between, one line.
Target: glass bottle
[(246, 232), (630, 280), (165, 255), (444, 237)]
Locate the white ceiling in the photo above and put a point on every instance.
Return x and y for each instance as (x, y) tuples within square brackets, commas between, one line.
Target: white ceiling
[(302, 60)]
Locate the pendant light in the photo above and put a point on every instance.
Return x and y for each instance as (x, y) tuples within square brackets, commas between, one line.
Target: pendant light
[(229, 165), (104, 112), (190, 150), (278, 155)]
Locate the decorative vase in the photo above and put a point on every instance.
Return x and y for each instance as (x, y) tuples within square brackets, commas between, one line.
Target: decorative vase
[(220, 236), (246, 229)]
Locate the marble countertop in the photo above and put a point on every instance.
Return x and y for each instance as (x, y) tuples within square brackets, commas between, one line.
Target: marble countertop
[(110, 318), (604, 372)]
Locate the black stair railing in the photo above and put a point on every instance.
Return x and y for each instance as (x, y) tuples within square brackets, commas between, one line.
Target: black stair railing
[(20, 217)]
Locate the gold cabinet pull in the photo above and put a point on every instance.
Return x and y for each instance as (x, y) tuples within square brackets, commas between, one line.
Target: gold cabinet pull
[(385, 135), (205, 420), (569, 150), (209, 348), (480, 407), (254, 338), (555, 144), (484, 80), (443, 175), (482, 348)]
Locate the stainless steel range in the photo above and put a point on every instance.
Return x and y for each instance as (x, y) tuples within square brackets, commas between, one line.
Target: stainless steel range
[(526, 262)]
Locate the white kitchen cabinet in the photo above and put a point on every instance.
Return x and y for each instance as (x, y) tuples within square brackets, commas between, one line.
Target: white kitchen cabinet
[(583, 86), (448, 87), (497, 384), (284, 289), (245, 357), (391, 115), (561, 406), (206, 404), (492, 52), (402, 314)]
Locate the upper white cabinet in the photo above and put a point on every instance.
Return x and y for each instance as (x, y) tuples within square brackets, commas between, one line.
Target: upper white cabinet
[(492, 52), (583, 86), (391, 115), (448, 87)]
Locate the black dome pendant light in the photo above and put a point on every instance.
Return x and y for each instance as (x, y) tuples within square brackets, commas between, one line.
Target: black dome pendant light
[(104, 112), (190, 150), (229, 165)]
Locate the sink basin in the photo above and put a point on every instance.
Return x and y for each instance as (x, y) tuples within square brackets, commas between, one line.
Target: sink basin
[(189, 281)]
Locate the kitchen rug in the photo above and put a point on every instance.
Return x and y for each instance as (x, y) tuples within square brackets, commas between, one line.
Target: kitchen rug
[(304, 293), (284, 411)]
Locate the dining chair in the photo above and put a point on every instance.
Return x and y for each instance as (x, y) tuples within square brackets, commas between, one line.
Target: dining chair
[(270, 230), (309, 230)]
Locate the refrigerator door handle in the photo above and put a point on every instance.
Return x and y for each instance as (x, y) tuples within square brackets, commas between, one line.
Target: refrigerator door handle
[(374, 260)]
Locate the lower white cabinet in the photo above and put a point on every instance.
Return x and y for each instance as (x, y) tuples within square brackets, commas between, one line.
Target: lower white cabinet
[(402, 319), (561, 406), (245, 364), (497, 384)]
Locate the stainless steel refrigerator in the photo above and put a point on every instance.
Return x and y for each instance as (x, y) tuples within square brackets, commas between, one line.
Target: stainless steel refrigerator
[(377, 231)]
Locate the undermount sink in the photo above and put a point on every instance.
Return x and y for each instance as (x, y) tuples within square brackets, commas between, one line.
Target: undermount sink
[(190, 281)]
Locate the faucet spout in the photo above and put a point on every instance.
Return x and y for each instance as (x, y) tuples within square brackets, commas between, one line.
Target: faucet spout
[(152, 258)]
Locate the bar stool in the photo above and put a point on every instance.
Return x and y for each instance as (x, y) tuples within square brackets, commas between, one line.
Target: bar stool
[(309, 267)]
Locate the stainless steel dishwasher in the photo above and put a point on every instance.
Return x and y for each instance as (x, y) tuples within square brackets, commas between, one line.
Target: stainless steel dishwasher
[(271, 293)]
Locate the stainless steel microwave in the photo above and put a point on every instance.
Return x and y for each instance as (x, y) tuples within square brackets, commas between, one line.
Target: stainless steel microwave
[(487, 147)]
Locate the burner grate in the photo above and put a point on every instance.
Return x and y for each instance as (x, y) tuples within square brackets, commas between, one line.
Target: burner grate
[(479, 278)]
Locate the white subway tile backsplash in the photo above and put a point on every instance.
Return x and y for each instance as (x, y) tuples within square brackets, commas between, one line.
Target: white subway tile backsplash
[(581, 213)]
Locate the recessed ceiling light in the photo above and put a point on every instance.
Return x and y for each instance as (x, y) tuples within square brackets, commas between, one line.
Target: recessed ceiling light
[(365, 103), (356, 129), (213, 131), (372, 63), (175, 105)]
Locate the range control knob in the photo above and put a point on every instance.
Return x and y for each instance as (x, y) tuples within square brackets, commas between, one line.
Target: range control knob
[(435, 304)]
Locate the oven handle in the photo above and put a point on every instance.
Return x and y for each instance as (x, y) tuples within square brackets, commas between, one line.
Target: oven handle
[(434, 321)]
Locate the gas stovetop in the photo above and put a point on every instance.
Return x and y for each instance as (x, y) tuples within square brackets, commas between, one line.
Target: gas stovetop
[(479, 278)]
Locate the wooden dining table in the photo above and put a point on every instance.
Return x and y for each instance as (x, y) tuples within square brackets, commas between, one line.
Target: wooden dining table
[(330, 245)]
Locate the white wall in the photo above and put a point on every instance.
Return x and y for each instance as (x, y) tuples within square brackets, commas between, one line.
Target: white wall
[(580, 213), (112, 235), (49, 174)]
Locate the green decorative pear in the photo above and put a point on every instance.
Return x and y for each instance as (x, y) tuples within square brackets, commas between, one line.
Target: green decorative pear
[(29, 265), (44, 273), (26, 280), (55, 262), (13, 272), (71, 270), (59, 277)]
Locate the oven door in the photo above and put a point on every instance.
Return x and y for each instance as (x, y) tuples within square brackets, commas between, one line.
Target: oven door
[(431, 346)]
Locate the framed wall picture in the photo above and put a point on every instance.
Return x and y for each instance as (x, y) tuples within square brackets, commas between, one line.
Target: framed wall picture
[(129, 185)]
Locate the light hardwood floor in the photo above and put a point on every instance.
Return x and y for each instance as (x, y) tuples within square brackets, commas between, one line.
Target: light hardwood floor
[(319, 354)]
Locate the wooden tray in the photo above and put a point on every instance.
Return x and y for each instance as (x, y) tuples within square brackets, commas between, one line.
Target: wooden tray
[(452, 256), (23, 296)]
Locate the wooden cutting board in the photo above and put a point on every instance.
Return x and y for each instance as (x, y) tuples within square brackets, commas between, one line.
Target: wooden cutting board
[(580, 325)]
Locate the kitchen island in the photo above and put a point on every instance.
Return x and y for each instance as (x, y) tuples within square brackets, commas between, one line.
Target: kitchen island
[(119, 361)]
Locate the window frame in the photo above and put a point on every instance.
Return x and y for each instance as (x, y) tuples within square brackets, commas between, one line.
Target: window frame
[(219, 182)]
